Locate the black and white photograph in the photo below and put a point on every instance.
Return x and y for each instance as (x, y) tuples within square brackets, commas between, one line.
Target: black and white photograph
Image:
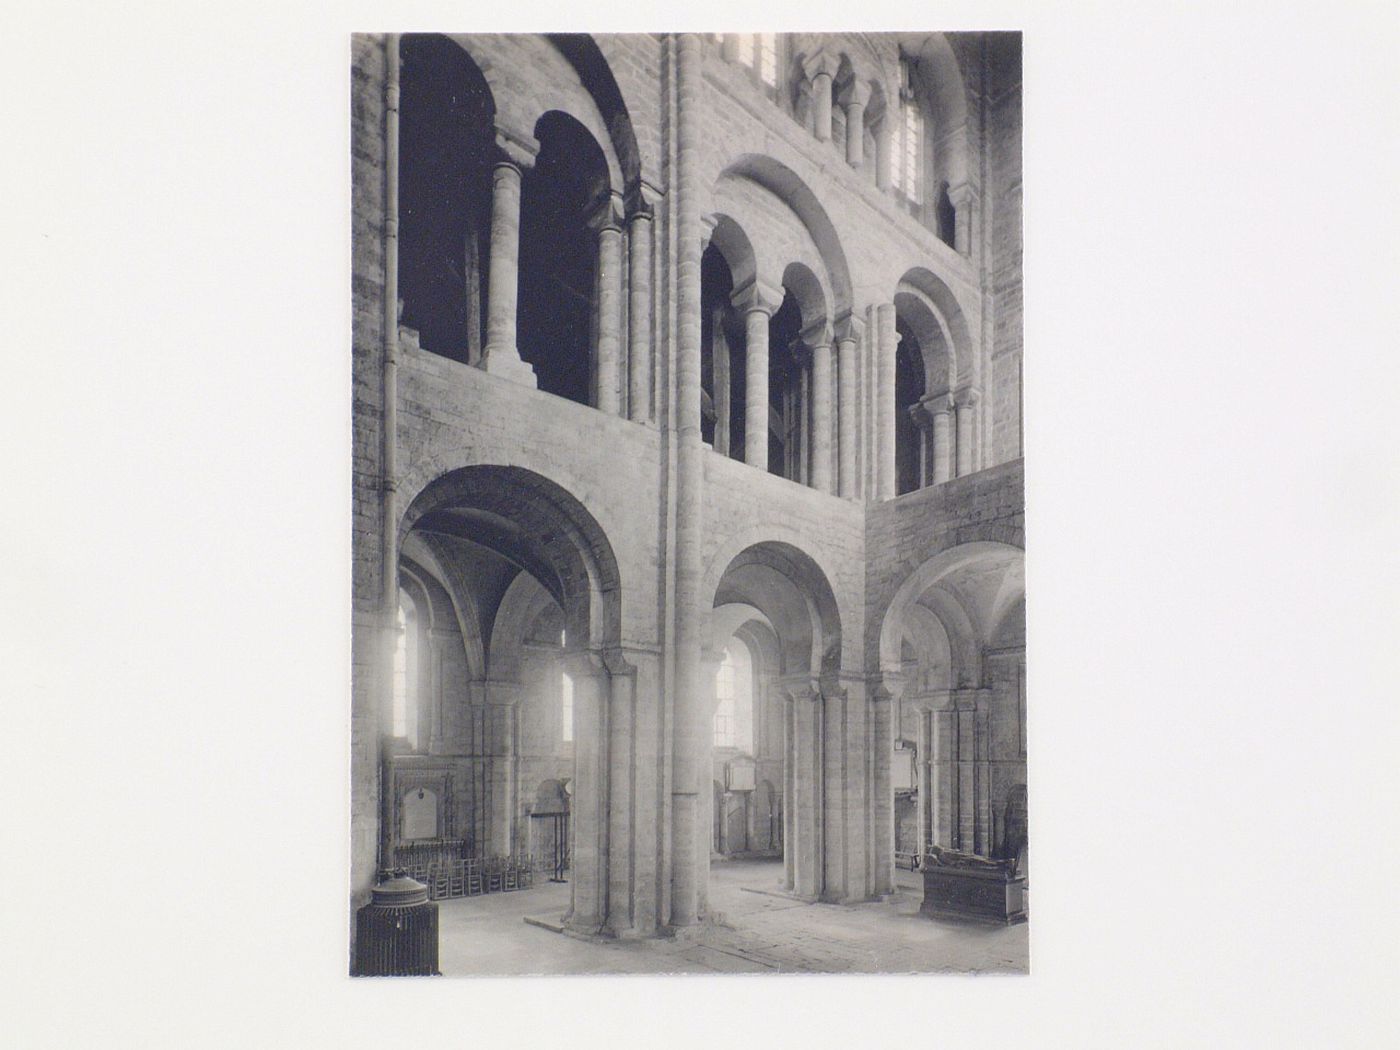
[(689, 582), (608, 527)]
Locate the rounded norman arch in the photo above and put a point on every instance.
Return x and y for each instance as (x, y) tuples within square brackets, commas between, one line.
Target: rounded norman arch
[(540, 527)]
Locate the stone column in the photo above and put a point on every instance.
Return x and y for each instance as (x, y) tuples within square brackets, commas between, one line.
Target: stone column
[(854, 98), (940, 437), (806, 845), (729, 47), (705, 829), (967, 429), (621, 918), (499, 717), (846, 334), (757, 302), (925, 772), (819, 339), (789, 789), (884, 691), (884, 143), (944, 726), (821, 104), (685, 759), (608, 351), (964, 199), (885, 406), (502, 355), (719, 370), (589, 806), (639, 241)]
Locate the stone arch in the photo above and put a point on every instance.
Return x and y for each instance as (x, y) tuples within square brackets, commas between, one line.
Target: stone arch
[(737, 250), (802, 283), (938, 356), (525, 599), (933, 311), (582, 52), (446, 148), (540, 527), (946, 91), (789, 187), (796, 600), (924, 579), (926, 629)]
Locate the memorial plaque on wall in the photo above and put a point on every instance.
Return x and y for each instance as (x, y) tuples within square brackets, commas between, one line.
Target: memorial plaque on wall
[(420, 814)]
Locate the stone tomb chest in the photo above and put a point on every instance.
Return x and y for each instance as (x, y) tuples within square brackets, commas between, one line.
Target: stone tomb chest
[(965, 886)]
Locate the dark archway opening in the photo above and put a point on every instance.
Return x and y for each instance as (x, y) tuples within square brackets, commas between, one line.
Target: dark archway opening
[(446, 144), (946, 216), (558, 256), (785, 397), (908, 428), (722, 354)]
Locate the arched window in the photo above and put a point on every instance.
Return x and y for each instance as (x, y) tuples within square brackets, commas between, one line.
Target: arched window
[(566, 701), (759, 51), (734, 693), (405, 710), (907, 144), (566, 707)]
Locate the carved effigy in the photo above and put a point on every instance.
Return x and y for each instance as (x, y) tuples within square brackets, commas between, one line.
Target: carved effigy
[(967, 886)]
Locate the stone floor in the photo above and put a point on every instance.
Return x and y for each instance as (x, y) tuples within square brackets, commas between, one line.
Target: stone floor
[(757, 932)]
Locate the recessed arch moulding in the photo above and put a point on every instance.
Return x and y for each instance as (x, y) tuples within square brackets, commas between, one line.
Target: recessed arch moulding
[(770, 576), (542, 528), (964, 609)]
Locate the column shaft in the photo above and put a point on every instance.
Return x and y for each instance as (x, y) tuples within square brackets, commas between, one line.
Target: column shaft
[(942, 447), (967, 410), (502, 356), (884, 139), (685, 772), (588, 806), (639, 319), (855, 133), (846, 411), (821, 418), (821, 105), (609, 319), (885, 411), (756, 388)]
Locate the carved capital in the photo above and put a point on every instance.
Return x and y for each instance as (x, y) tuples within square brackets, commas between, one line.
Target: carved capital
[(616, 662), (937, 405), (888, 685), (962, 193), (855, 93), (607, 214), (800, 687), (583, 663), (642, 200), (816, 334), (849, 328), (757, 294), (516, 149), (967, 397), (821, 64)]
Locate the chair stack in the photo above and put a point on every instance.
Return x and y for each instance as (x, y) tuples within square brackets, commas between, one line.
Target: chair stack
[(446, 879)]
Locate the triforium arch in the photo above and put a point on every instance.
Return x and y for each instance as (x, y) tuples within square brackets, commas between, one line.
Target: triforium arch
[(540, 529), (967, 719)]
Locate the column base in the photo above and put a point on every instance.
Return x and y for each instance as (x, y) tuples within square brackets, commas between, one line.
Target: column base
[(506, 363)]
